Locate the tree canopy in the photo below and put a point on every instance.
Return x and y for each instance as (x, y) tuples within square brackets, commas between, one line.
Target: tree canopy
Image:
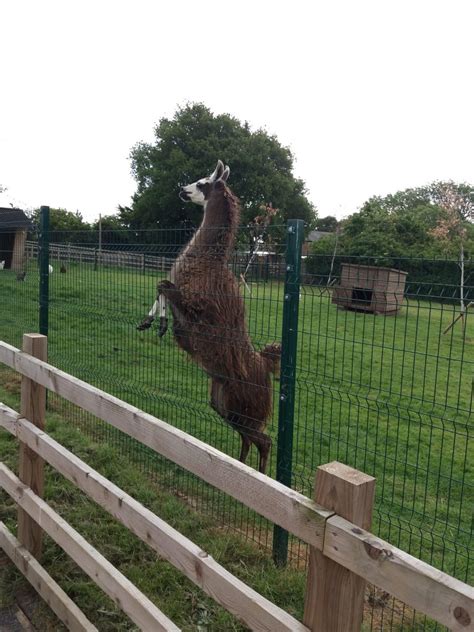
[(186, 148), (61, 220), (327, 224), (403, 224)]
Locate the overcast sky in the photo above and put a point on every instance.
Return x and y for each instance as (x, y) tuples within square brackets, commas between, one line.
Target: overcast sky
[(371, 96)]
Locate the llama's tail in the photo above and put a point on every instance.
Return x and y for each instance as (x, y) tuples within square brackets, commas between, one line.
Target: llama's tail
[(271, 355)]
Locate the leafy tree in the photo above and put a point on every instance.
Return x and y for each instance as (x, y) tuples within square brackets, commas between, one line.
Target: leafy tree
[(454, 198), (186, 148), (402, 224), (62, 220), (65, 226), (113, 231), (404, 230), (453, 229), (327, 224)]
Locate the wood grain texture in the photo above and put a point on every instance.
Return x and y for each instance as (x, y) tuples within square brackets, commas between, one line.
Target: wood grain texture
[(31, 466), (334, 595), (443, 598)]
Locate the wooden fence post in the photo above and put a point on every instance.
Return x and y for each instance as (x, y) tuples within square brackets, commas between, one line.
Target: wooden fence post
[(334, 599), (31, 466)]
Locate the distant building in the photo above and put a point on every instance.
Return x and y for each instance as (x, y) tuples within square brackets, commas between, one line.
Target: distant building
[(14, 225), (314, 235)]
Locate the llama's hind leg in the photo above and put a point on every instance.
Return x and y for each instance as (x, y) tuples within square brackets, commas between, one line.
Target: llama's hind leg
[(218, 404), (244, 450), (263, 443), (217, 398), (246, 441)]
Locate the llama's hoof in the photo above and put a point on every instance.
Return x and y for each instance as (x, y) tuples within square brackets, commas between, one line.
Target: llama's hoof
[(145, 324)]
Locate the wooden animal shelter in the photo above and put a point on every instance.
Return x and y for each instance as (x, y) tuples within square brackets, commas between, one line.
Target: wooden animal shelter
[(14, 225), (370, 289)]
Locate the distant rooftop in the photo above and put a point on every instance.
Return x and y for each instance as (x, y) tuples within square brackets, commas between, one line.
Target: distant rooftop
[(13, 218), (316, 235)]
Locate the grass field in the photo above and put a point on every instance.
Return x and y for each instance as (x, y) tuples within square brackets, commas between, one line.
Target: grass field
[(391, 396)]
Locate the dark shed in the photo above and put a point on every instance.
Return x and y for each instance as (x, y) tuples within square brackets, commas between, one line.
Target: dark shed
[(14, 225)]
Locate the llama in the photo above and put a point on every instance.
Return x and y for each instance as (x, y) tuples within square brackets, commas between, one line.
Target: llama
[(209, 317)]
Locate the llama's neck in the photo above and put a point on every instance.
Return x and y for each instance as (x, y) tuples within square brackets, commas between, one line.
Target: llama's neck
[(215, 237)]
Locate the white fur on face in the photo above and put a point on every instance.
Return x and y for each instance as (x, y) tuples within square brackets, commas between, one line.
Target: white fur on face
[(194, 193)]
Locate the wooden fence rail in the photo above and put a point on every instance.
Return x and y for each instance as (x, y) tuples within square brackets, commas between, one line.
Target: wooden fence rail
[(65, 609), (69, 253), (272, 266), (280, 504), (343, 552), (196, 564)]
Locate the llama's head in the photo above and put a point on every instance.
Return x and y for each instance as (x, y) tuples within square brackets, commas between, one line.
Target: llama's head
[(199, 192)]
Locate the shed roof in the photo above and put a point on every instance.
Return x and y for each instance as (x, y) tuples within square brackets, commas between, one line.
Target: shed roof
[(360, 266), (13, 218)]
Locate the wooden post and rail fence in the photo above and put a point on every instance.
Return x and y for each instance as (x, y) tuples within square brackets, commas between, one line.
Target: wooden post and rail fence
[(344, 555)]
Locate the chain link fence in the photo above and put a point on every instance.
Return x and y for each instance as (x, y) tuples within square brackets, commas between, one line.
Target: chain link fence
[(381, 376)]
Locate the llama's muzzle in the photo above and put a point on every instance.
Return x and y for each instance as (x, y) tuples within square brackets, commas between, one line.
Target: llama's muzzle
[(184, 195)]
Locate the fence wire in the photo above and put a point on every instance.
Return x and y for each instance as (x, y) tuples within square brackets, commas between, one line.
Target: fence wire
[(384, 377)]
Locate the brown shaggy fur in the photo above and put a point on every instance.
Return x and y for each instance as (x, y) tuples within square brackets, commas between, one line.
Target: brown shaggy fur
[(209, 324)]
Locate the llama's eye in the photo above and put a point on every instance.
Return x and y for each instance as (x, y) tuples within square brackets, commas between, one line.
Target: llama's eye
[(198, 185)]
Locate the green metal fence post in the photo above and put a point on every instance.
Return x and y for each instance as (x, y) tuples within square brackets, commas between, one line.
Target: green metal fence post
[(43, 262), (294, 242)]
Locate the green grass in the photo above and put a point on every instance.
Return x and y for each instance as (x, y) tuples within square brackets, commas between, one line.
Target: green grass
[(388, 395)]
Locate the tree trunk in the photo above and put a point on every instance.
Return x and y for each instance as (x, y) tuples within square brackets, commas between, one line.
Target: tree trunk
[(333, 258)]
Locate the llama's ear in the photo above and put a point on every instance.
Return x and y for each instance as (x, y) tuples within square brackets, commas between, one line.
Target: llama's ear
[(226, 173), (218, 171)]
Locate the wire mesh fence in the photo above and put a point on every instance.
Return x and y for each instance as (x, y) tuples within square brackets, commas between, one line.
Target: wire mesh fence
[(383, 376)]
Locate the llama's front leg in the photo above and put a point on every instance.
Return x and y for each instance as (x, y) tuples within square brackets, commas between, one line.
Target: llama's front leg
[(163, 328), (173, 295), (148, 320), (159, 306), (182, 329)]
